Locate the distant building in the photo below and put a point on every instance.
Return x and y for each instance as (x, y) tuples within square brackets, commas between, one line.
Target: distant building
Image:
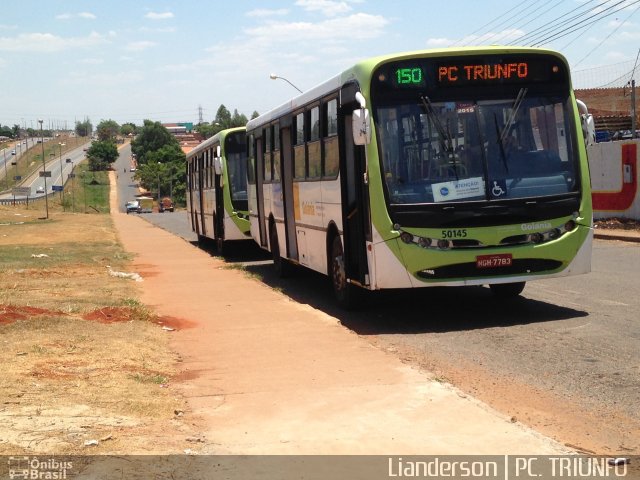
[(610, 107), (183, 131)]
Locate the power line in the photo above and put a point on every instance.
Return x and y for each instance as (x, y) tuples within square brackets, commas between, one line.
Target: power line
[(579, 25), (607, 37), (519, 27), (517, 17), (536, 33), (489, 23)]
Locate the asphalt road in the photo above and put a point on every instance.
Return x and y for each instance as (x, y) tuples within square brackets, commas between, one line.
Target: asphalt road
[(574, 337)]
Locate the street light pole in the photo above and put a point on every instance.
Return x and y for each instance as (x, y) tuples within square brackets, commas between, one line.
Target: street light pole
[(44, 171), (60, 144), (6, 177), (273, 76), (73, 185)]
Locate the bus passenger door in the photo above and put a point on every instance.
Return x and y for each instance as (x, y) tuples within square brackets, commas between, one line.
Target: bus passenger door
[(287, 192), (355, 207), (201, 201), (218, 223), (260, 191)]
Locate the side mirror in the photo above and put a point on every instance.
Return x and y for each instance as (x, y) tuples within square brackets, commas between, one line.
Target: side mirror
[(361, 126), (361, 122), (217, 165), (217, 161)]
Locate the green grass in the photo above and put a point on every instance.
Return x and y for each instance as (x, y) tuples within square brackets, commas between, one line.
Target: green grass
[(64, 254), (88, 192)]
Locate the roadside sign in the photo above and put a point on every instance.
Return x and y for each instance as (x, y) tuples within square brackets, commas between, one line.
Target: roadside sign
[(45, 174), (57, 188), (21, 191)]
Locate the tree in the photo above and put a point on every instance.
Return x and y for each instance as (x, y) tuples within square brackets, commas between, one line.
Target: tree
[(237, 120), (6, 131), (205, 129), (128, 129), (107, 130), (16, 131), (84, 128), (223, 117), (102, 154), (153, 136), (255, 114)]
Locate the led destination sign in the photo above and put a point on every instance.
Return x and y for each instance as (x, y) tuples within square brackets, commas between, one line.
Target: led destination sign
[(481, 73), (471, 71)]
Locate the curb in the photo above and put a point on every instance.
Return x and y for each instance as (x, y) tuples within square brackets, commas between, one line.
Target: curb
[(622, 238)]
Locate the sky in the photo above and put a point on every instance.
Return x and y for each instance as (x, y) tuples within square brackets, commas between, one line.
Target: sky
[(168, 60)]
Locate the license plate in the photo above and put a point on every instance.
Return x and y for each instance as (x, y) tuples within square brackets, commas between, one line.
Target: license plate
[(494, 261)]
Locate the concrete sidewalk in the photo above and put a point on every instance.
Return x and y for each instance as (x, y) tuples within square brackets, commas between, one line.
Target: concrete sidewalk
[(265, 375)]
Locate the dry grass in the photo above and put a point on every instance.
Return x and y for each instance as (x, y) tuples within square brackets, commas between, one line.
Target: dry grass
[(70, 375)]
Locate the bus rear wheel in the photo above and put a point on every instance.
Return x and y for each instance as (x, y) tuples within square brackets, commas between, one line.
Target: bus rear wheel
[(345, 293), (507, 290)]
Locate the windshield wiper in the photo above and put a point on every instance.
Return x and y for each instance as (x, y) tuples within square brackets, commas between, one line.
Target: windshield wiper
[(514, 111), (444, 136), (506, 130)]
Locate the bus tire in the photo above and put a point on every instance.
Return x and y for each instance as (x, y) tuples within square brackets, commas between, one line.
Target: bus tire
[(281, 266), (507, 290), (220, 246), (346, 294)]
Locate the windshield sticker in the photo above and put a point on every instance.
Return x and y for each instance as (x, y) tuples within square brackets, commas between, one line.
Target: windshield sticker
[(499, 189), (469, 187), (465, 107)]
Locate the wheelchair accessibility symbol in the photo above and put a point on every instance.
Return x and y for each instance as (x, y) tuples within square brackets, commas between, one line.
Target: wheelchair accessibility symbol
[(497, 190)]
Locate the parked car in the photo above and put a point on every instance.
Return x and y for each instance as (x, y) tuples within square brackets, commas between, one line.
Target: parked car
[(40, 189), (133, 206)]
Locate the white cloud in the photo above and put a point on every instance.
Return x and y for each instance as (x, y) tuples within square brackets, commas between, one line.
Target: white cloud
[(158, 30), (91, 61), (47, 42), (358, 26), (264, 12), (330, 8), (68, 16), (139, 46), (158, 16), (488, 38)]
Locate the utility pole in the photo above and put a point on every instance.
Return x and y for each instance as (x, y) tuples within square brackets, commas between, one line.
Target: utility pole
[(633, 109)]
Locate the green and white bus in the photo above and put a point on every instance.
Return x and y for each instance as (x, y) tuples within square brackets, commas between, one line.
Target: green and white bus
[(429, 168), (217, 188)]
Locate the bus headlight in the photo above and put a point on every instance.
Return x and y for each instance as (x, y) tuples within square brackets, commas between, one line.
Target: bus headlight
[(569, 226), (406, 237), (537, 237), (443, 244), (424, 242)]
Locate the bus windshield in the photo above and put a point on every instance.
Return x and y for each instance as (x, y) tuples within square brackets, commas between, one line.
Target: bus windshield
[(513, 147), (237, 169)]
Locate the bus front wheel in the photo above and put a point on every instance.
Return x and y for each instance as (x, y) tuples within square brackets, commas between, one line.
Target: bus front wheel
[(507, 290), (280, 265)]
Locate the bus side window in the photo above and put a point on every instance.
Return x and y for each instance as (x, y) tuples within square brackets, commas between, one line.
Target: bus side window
[(299, 160), (275, 129), (251, 161), (330, 140), (313, 147), (266, 142)]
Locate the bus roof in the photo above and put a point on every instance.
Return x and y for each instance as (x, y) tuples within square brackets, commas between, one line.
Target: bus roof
[(217, 138), (370, 64)]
